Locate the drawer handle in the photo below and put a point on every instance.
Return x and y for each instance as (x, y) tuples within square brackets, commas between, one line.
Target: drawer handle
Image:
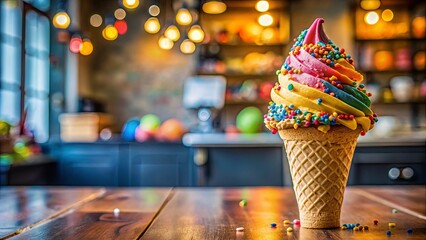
[(394, 173), (407, 173)]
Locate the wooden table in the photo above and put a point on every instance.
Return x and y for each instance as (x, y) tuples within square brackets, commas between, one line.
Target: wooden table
[(199, 213)]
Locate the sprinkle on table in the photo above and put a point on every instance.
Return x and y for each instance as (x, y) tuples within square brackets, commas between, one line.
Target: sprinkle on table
[(388, 232), (273, 225), (394, 211), (289, 229), (239, 229), (392, 224), (286, 222), (409, 230), (375, 221), (296, 221), (243, 203), (365, 228)]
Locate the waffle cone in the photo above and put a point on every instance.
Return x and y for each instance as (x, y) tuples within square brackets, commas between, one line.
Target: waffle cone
[(319, 165)]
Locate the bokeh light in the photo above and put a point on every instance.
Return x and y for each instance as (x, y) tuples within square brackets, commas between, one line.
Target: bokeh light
[(172, 33), (387, 15), (110, 33), (196, 34), (268, 34), (183, 17), (130, 4), (86, 47), (214, 7), (262, 6), (75, 44), (154, 10), (165, 43), (119, 14), (371, 18), (152, 25), (370, 4), (265, 20), (121, 26), (187, 46), (61, 20), (96, 20)]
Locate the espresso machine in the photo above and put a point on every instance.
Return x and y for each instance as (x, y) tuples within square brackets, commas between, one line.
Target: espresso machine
[(205, 95)]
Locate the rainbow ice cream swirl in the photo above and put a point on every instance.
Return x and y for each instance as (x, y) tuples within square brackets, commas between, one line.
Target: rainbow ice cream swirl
[(318, 86)]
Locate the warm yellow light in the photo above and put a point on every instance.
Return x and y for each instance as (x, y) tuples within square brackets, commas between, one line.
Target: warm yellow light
[(196, 34), (268, 34), (61, 20), (152, 25), (187, 46), (119, 14), (165, 43), (214, 7), (172, 33), (265, 20), (370, 4), (110, 33), (387, 15), (86, 47), (371, 18), (96, 20), (130, 4), (183, 17), (262, 6), (154, 10)]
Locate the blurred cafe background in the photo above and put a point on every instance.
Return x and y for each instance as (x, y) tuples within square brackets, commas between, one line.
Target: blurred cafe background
[(173, 92)]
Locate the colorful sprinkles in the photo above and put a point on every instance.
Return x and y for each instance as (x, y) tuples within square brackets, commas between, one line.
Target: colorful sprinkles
[(329, 54), (279, 112)]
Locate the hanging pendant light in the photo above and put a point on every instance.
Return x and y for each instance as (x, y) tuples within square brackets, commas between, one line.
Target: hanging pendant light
[(61, 20), (172, 33), (183, 17), (86, 47), (214, 7), (187, 46), (152, 25), (196, 34), (165, 43), (130, 4)]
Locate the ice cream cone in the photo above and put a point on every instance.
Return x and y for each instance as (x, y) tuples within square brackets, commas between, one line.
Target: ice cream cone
[(319, 165)]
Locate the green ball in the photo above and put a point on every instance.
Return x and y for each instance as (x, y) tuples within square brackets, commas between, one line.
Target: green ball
[(249, 120), (150, 122)]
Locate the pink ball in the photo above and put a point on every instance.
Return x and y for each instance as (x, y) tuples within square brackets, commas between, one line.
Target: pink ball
[(142, 135)]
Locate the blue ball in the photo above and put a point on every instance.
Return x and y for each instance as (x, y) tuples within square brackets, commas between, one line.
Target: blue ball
[(129, 129)]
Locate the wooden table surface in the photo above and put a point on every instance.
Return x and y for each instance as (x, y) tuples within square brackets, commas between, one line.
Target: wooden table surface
[(199, 213)]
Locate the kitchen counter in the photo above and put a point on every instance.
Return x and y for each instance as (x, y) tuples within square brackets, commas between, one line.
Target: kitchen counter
[(200, 213), (270, 140)]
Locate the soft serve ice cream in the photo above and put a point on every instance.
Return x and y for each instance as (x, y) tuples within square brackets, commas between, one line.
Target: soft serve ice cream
[(318, 86)]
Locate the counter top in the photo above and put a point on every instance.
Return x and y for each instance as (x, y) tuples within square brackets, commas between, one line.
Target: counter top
[(200, 213), (270, 140)]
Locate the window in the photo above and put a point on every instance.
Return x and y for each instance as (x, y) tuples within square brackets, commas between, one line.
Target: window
[(28, 70)]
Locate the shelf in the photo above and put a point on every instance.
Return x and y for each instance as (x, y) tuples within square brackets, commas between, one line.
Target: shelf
[(237, 75), (388, 39), (246, 102), (400, 103), (392, 71), (244, 44)]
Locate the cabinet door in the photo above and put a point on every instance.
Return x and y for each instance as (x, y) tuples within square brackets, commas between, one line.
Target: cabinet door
[(388, 165), (159, 164), (245, 166), (89, 165)]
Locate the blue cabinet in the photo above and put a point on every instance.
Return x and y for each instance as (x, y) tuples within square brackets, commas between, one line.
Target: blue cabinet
[(388, 166), (83, 164), (159, 165), (122, 164)]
